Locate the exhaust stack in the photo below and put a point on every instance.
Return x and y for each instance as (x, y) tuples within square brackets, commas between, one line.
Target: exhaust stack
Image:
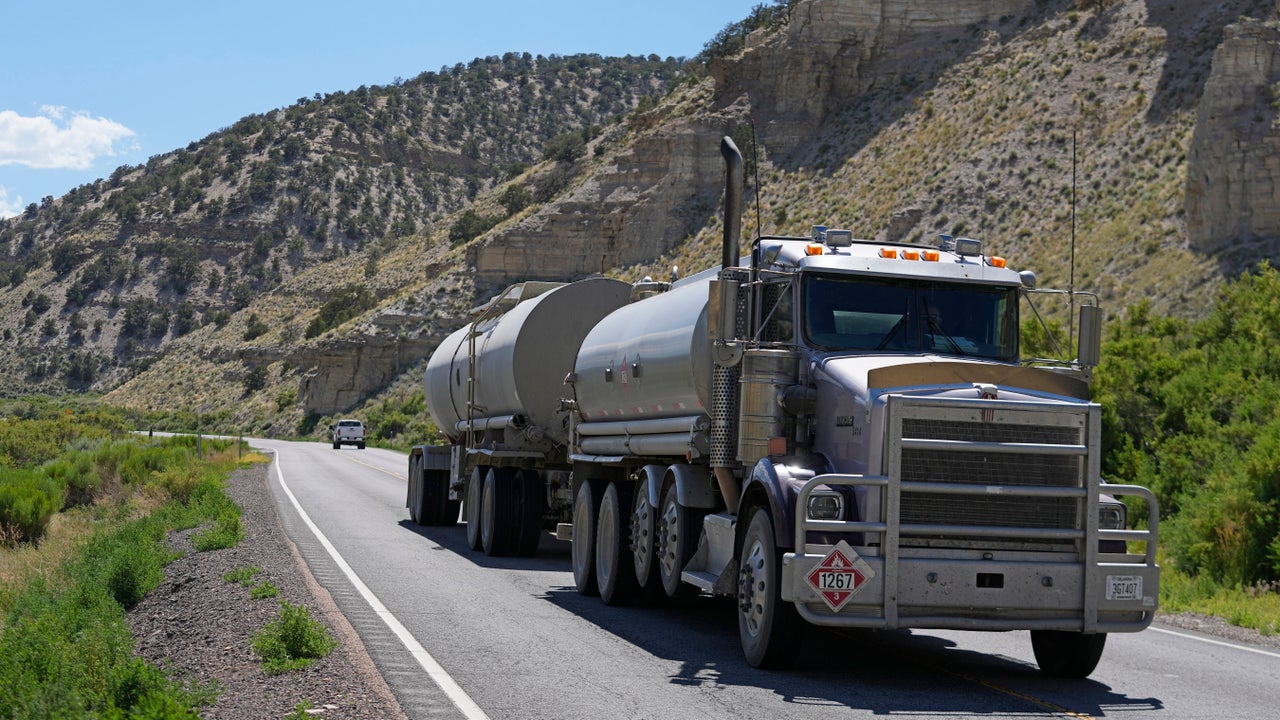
[(733, 179)]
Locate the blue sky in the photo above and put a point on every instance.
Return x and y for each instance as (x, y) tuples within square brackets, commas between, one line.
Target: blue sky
[(87, 86)]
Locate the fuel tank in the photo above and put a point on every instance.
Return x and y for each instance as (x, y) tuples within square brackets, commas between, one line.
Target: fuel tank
[(522, 356), (650, 359)]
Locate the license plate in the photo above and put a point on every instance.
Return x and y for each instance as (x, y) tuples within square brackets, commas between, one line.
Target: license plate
[(1124, 587)]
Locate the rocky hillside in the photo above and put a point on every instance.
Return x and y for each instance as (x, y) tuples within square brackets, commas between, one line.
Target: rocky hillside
[(99, 282), (898, 119)]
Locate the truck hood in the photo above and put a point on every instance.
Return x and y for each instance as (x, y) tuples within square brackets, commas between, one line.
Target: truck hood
[(869, 377)]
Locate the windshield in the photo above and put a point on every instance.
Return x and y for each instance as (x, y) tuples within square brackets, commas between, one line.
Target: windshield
[(843, 312)]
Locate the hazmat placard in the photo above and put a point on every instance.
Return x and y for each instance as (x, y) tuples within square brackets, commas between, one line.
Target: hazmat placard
[(840, 575)]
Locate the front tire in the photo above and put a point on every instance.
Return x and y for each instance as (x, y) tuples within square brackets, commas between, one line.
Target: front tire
[(768, 627), (615, 569), (1065, 654)]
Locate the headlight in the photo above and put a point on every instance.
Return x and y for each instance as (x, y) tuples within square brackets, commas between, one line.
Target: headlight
[(826, 506), (1112, 516)]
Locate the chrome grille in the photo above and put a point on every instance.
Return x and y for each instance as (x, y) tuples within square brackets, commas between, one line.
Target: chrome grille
[(990, 466)]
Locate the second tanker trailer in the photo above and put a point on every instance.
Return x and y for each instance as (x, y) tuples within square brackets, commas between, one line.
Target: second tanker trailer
[(835, 432)]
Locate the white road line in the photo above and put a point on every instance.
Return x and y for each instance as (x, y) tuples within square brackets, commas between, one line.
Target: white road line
[(442, 678), (1260, 651)]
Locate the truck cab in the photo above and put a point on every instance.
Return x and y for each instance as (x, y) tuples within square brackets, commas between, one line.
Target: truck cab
[(915, 472)]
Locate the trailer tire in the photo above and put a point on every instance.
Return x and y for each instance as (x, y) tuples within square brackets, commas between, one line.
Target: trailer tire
[(414, 500), (642, 544), (615, 569), (529, 485), (475, 493), (675, 541), (768, 627), (1066, 654), (498, 512), (435, 507), (586, 504)]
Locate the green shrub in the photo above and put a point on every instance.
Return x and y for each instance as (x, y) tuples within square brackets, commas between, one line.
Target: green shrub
[(76, 474), (264, 590), (28, 501), (226, 532), (241, 575), (1190, 412), (293, 642)]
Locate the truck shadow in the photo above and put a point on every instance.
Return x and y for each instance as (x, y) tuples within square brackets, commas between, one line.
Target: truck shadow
[(552, 556), (883, 672)]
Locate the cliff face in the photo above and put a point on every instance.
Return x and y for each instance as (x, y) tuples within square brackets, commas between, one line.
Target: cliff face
[(654, 194), (668, 183), (1233, 167), (834, 50)]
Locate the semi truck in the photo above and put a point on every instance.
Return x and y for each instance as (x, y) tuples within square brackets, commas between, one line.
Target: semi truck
[(835, 432)]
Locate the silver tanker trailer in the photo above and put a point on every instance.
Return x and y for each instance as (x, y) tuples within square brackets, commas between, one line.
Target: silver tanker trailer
[(835, 432)]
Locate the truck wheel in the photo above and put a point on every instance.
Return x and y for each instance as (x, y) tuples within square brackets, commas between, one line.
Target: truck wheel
[(675, 541), (615, 571), (360, 445), (529, 485), (337, 445), (414, 500), (475, 491), (586, 503), (436, 508), (1066, 654), (642, 545), (498, 512), (768, 627)]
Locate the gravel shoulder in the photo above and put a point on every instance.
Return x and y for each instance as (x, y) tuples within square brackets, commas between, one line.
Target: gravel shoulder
[(199, 626)]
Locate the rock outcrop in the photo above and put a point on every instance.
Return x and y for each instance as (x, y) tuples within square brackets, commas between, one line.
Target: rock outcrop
[(340, 374), (664, 187), (669, 182), (1233, 167), (831, 51)]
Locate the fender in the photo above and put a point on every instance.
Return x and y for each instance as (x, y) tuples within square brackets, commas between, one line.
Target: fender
[(693, 485), (776, 484), (651, 480)]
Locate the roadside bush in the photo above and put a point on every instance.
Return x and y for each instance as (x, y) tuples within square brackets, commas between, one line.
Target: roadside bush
[(76, 474), (1189, 411), (293, 642), (27, 502)]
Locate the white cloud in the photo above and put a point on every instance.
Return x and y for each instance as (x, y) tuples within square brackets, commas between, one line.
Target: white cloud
[(57, 139), (9, 209)]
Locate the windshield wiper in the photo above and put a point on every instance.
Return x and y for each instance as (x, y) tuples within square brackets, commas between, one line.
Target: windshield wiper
[(935, 329), (893, 331)]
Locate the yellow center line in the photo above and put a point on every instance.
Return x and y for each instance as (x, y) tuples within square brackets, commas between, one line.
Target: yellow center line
[(384, 471), (1045, 704)]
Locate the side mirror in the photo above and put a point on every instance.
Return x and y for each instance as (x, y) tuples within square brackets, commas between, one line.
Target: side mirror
[(1090, 352)]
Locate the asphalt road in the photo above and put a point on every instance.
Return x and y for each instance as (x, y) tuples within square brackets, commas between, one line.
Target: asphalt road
[(461, 635)]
